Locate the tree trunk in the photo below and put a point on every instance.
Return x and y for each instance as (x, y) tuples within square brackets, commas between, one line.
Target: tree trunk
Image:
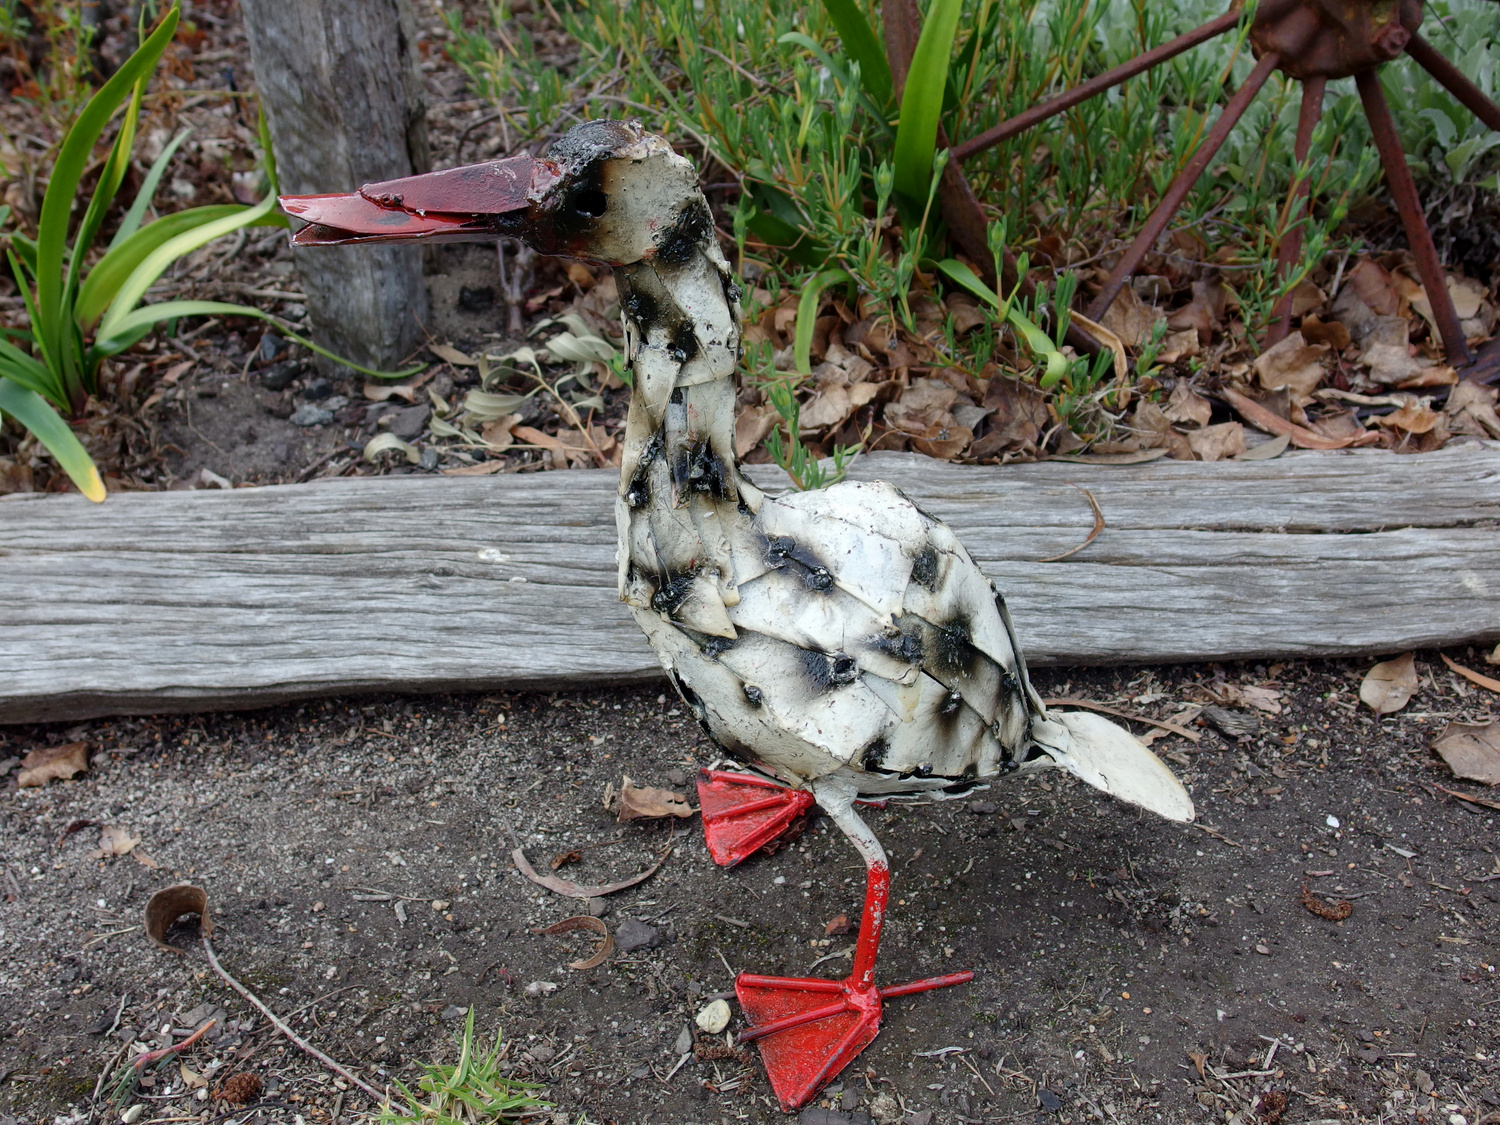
[(343, 98)]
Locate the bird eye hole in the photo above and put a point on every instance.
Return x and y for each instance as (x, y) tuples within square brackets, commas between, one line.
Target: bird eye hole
[(590, 201)]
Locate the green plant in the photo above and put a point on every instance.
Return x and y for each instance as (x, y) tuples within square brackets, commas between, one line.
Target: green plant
[(471, 1092), (83, 311)]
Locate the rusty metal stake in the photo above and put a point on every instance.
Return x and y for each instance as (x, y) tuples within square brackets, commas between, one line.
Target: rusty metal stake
[(1097, 85), (1182, 184), (1291, 245), (1418, 237), (1457, 85)]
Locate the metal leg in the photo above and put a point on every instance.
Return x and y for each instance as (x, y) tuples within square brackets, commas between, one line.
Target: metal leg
[(1418, 237), (1180, 186), (1291, 246), (1086, 90), (1459, 86)]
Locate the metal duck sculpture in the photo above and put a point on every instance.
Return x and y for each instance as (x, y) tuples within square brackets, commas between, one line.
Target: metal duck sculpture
[(841, 640)]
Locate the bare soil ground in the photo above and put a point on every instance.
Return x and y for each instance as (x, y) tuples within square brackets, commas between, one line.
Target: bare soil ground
[(1127, 969)]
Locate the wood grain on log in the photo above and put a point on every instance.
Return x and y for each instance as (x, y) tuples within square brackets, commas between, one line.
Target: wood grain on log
[(203, 600), (343, 98)]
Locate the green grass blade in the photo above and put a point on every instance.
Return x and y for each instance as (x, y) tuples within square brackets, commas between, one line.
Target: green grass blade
[(37, 415), (863, 47), (22, 368), (839, 72), (119, 338), (1030, 333), (105, 190), (922, 100), (155, 263), (105, 279), (807, 314), (137, 212), (67, 170)]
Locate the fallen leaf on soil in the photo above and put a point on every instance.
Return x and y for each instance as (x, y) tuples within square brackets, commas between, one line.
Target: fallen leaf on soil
[(577, 890), (497, 434), (1018, 416), (452, 355), (1471, 410), (381, 392), (387, 443), (1198, 1058), (752, 427), (1261, 698), (571, 454), (1333, 333), (1130, 318), (171, 903), (1414, 416), (1188, 407), (1386, 351), (1261, 418), (481, 469), (1439, 375), (48, 762), (1218, 443), (645, 802), (1472, 750), (113, 841), (943, 441), (1333, 911), (1473, 677), (1375, 287), (585, 922), (1204, 312), (1150, 419), (1292, 363), (191, 1078), (73, 826), (1110, 340), (1179, 345), (838, 927), (1272, 447), (1389, 685)]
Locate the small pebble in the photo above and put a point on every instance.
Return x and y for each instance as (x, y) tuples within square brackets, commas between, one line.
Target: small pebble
[(714, 1018), (309, 415), (133, 1114), (633, 935), (684, 1042)]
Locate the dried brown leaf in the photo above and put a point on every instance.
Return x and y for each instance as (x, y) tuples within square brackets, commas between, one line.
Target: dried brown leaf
[(449, 354), (1218, 443), (581, 890), (171, 903), (497, 434), (1179, 345), (381, 392), (1130, 318), (944, 441), (1150, 420), (114, 840), (1333, 333), (645, 802), (1472, 676), (1471, 410), (585, 922), (1472, 750), (1018, 414), (752, 427), (1414, 416), (1188, 407), (1292, 363), (1302, 437), (1389, 685), (1375, 287), (48, 762)]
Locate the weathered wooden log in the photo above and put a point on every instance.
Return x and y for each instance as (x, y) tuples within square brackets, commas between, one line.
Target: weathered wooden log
[(343, 98), (204, 600)]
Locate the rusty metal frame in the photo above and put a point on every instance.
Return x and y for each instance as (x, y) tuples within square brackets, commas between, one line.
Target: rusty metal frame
[(1309, 40)]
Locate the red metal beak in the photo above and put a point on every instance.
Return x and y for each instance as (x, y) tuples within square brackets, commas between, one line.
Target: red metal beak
[(465, 204)]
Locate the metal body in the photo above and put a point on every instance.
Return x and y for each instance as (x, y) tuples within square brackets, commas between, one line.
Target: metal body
[(841, 640)]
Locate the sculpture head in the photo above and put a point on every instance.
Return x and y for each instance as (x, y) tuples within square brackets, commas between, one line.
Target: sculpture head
[(606, 192)]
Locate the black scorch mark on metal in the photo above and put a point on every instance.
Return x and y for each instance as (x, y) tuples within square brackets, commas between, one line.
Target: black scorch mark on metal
[(690, 230), (827, 671), (638, 492), (754, 696), (784, 551), (924, 568), (672, 593), (899, 644)]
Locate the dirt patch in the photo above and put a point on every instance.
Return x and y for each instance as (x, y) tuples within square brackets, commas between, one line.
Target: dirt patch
[(1115, 953)]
